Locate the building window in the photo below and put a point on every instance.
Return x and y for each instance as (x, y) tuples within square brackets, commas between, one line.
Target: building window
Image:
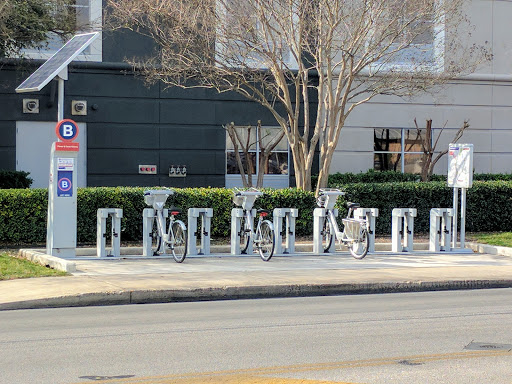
[(251, 143), (88, 15), (398, 150), (253, 34), (412, 40)]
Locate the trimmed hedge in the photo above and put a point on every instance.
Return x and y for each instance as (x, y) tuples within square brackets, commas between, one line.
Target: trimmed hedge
[(372, 176), (14, 179), (489, 204), (23, 212)]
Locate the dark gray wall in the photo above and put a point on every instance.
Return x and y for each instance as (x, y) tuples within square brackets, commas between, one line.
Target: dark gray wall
[(129, 123)]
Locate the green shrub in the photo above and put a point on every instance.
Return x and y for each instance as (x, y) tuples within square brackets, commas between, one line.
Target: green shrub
[(489, 203), (370, 176), (14, 179), (23, 212)]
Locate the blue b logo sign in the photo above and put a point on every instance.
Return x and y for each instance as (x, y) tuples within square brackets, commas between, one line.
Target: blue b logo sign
[(67, 130), (65, 184)]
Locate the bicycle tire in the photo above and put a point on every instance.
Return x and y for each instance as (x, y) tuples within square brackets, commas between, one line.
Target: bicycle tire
[(156, 239), (359, 248), (327, 236), (245, 234), (265, 240), (179, 244)]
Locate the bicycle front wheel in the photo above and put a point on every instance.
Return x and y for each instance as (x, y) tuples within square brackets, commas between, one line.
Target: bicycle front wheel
[(156, 239), (245, 237), (359, 247), (327, 236), (179, 242), (265, 241)]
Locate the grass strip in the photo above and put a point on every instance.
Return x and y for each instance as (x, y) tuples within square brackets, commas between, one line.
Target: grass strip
[(12, 267), (501, 239)]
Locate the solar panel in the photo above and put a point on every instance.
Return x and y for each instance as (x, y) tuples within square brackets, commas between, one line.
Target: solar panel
[(55, 64)]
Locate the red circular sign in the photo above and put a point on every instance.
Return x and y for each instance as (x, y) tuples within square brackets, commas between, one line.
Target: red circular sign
[(66, 130)]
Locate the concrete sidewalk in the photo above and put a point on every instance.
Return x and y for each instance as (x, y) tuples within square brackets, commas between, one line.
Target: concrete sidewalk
[(131, 279)]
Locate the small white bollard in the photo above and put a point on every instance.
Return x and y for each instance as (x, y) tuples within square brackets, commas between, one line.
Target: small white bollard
[(318, 221), (236, 216), (402, 226), (440, 229), (101, 228), (148, 219), (289, 214), (206, 215), (368, 214)]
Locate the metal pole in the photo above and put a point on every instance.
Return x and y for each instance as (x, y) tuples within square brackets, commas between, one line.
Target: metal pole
[(455, 216), (60, 104), (462, 217)]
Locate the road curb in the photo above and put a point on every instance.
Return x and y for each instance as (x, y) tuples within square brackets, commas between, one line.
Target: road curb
[(490, 249), (54, 262), (250, 292)]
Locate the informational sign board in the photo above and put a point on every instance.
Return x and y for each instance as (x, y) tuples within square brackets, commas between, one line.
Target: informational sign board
[(62, 192), (460, 165)]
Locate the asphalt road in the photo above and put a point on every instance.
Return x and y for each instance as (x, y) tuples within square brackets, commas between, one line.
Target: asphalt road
[(431, 337)]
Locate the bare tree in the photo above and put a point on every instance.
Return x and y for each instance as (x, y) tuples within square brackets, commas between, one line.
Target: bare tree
[(280, 53), (428, 146)]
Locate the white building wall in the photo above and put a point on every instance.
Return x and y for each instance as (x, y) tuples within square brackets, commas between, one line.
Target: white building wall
[(483, 98)]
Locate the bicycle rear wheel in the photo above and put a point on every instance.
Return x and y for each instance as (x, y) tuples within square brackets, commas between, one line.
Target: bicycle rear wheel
[(327, 236), (179, 245), (265, 240), (245, 236), (156, 239), (359, 248)]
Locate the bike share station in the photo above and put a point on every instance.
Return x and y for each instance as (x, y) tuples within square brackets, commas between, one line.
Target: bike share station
[(62, 199), (442, 236)]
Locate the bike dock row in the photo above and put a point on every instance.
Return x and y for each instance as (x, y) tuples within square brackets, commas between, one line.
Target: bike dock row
[(283, 227)]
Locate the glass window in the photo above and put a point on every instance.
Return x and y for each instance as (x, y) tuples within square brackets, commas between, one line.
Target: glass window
[(88, 16), (252, 33), (232, 164), (257, 139), (387, 140), (398, 150), (412, 41)]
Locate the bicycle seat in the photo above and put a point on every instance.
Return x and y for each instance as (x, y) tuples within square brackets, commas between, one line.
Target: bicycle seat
[(175, 211), (352, 205), (263, 212)]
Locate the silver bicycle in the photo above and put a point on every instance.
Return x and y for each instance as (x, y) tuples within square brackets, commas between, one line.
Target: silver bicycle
[(263, 236), (355, 231), (173, 237)]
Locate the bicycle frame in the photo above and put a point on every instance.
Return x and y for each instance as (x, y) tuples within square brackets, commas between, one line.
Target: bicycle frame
[(355, 231), (342, 235), (166, 232), (166, 236), (261, 237)]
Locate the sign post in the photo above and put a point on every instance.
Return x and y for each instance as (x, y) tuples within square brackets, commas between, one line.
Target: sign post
[(460, 175), (62, 201)]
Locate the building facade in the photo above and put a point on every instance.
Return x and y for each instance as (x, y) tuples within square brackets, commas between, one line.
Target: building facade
[(381, 134), (127, 125)]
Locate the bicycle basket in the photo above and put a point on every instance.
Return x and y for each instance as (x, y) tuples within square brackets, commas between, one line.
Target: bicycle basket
[(238, 200), (352, 227)]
